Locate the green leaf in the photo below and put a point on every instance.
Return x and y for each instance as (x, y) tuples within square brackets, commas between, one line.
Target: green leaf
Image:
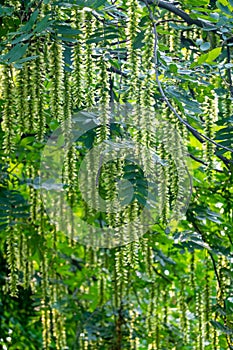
[(210, 56), (65, 29), (6, 11), (28, 26), (23, 37), (43, 24), (16, 53), (138, 41), (213, 54), (224, 8)]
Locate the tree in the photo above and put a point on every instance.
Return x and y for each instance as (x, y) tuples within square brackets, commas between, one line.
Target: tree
[(120, 68)]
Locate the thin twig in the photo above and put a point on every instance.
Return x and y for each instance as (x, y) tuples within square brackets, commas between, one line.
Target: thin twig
[(204, 163)]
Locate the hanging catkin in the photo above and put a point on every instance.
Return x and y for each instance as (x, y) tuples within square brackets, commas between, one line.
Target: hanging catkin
[(33, 91), (207, 305), (22, 97), (40, 67), (78, 59), (183, 309), (132, 54), (56, 76), (11, 258), (89, 62), (148, 64), (8, 113), (209, 118), (45, 310)]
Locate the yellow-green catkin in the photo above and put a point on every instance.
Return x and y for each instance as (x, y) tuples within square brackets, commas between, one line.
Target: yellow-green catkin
[(56, 76), (200, 315), (21, 99), (40, 67), (148, 65), (183, 316), (11, 258), (153, 317), (89, 61), (78, 62), (8, 113), (133, 58), (58, 319), (24, 263), (30, 72), (210, 110), (207, 300), (45, 285), (103, 131)]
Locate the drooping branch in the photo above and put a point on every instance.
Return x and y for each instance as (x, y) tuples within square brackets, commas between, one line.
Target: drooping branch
[(180, 13)]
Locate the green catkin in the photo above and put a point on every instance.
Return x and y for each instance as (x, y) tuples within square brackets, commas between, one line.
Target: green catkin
[(22, 97), (173, 37), (45, 309), (157, 319), (68, 106), (8, 112), (89, 62), (78, 57), (120, 274), (164, 39), (70, 174), (102, 279), (192, 272), (207, 301), (163, 186), (183, 309), (132, 53), (33, 194), (148, 65), (153, 317), (40, 67), (26, 98), (11, 257), (58, 319), (165, 306), (24, 263), (56, 76), (200, 316), (33, 87), (209, 118), (104, 99)]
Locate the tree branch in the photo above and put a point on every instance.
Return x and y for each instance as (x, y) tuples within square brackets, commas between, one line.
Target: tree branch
[(180, 13)]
